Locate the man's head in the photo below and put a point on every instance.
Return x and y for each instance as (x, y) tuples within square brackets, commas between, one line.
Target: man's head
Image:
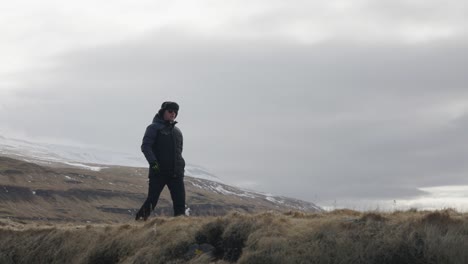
[(169, 110)]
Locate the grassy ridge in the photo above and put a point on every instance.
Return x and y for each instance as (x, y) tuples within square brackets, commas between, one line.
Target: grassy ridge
[(341, 236)]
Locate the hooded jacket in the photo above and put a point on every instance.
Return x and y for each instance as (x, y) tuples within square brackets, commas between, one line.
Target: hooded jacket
[(163, 143)]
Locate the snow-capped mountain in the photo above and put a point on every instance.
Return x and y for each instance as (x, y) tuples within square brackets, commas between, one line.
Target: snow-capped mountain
[(201, 181), (87, 158)]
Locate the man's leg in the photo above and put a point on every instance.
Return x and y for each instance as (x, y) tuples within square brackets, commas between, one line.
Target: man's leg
[(177, 189), (156, 185)]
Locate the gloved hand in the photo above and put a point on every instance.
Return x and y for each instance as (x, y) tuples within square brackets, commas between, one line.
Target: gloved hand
[(155, 167)]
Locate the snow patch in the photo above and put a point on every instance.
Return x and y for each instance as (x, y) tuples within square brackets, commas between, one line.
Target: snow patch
[(93, 168), (273, 200), (198, 186), (222, 190)]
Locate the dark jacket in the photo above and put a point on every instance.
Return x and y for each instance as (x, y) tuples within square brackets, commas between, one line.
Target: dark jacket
[(163, 143)]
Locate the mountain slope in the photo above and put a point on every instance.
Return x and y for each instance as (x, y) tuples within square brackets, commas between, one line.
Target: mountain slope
[(30, 191), (81, 157)]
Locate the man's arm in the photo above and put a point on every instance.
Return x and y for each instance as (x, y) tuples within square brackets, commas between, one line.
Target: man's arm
[(181, 142), (181, 139), (147, 144)]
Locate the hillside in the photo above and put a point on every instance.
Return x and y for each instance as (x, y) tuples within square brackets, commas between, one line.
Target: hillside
[(65, 155), (60, 192), (334, 237)]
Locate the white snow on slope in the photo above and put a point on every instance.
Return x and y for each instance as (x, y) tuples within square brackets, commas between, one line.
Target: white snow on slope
[(274, 200), (84, 157), (228, 190), (93, 168), (62, 153)]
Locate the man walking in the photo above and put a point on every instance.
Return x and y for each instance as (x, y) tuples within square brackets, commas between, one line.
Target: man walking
[(162, 146)]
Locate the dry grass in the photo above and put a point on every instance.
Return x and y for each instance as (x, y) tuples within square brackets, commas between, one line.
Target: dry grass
[(343, 236)]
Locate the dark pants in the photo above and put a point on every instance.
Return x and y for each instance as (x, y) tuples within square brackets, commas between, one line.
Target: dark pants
[(156, 185)]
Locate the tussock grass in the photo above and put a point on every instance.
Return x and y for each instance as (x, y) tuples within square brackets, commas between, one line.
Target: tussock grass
[(341, 236)]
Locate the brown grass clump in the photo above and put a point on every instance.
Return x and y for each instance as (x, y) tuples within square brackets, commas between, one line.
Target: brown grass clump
[(373, 217), (296, 214), (336, 237), (441, 218), (342, 212)]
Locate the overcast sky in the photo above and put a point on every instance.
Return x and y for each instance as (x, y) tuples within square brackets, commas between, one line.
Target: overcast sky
[(319, 100)]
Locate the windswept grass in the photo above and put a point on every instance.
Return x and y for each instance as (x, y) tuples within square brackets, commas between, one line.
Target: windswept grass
[(341, 236)]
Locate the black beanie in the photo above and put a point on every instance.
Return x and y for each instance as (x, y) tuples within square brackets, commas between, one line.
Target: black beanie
[(168, 106)]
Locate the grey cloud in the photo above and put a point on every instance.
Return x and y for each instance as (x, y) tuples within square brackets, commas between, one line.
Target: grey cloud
[(329, 120), (369, 21), (412, 11)]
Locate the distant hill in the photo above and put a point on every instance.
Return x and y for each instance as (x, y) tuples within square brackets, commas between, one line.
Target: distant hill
[(29, 191)]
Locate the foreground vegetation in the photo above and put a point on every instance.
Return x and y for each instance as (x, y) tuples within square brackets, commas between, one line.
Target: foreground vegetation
[(341, 236)]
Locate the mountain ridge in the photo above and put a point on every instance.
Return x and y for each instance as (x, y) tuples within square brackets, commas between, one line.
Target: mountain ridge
[(33, 192), (84, 157)]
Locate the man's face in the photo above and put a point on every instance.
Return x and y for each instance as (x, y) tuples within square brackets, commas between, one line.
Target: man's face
[(169, 115)]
